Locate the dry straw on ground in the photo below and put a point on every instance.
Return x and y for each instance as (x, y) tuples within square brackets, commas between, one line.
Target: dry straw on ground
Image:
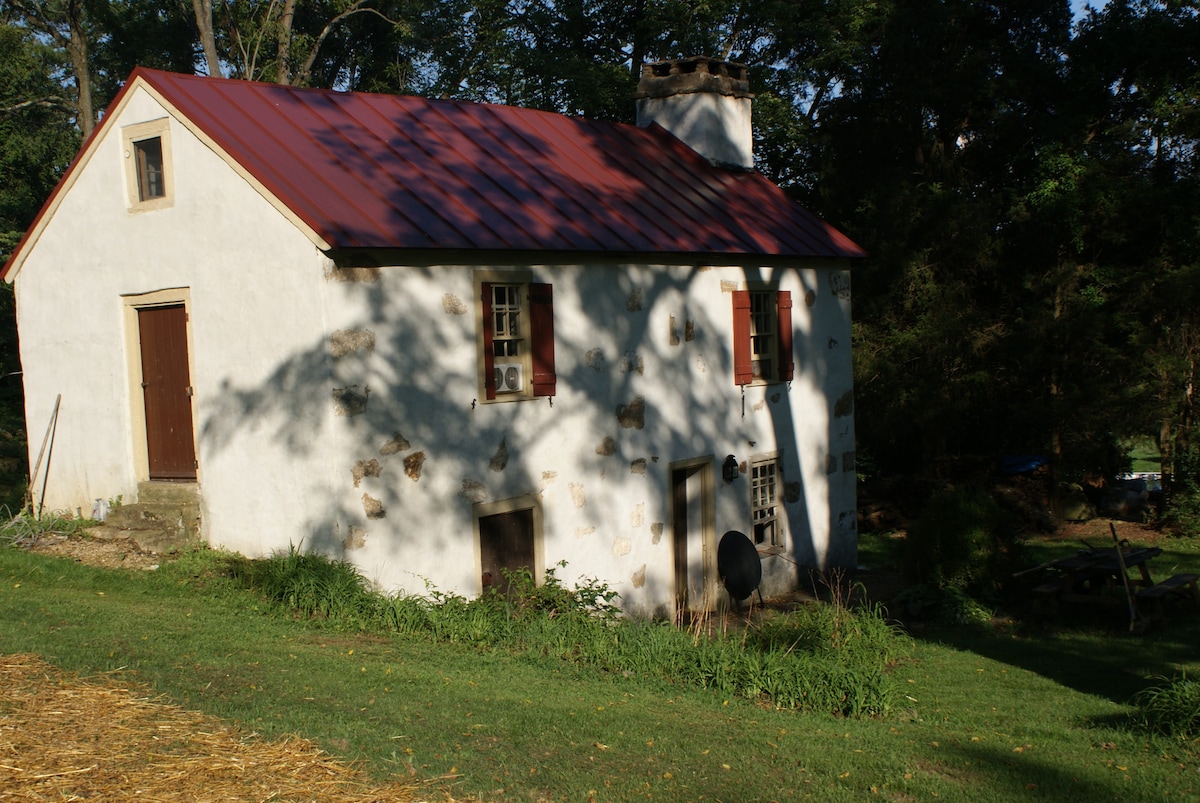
[(67, 739)]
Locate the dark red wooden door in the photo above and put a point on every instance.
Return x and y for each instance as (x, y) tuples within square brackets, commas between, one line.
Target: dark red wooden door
[(505, 543), (166, 386)]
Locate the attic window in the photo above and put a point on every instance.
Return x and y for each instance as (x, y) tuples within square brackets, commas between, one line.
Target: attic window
[(147, 156), (150, 179)]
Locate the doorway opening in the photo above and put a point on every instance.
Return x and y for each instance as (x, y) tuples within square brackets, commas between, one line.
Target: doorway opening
[(693, 534)]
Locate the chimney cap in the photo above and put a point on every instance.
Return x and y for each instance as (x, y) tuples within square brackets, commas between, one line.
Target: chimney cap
[(662, 79)]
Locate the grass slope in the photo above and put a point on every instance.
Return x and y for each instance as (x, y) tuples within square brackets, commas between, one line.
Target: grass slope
[(993, 715)]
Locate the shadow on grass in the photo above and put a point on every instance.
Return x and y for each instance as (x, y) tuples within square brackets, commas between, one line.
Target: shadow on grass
[(1090, 650)]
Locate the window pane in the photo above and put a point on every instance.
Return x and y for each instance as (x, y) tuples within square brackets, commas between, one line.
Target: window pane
[(763, 328), (150, 169)]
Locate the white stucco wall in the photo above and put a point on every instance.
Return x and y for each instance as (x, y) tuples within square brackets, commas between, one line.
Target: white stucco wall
[(278, 457), (604, 514), (255, 288)]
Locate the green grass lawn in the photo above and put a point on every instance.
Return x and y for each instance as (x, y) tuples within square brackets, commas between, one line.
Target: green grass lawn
[(1020, 712)]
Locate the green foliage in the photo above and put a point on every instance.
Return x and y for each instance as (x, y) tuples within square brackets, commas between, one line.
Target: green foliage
[(311, 586), (24, 529), (1171, 707), (963, 540), (824, 658)]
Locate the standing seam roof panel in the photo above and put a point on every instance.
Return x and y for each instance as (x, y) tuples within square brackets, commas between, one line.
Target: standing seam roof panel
[(448, 174)]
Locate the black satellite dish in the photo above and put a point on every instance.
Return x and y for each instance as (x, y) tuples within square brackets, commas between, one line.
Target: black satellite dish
[(739, 565)]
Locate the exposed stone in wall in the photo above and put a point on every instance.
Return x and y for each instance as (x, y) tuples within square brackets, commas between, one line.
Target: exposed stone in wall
[(453, 305), (831, 464), (577, 495), (584, 532), (847, 522), (594, 359), (638, 466), (728, 286), (759, 405), (689, 331), (548, 477), (791, 492), (365, 468), (348, 341), (634, 302), (412, 465), (839, 285), (349, 274), (351, 400), (373, 507), (639, 577), (632, 362), (398, 443), (673, 338), (638, 517), (355, 539), (473, 491), (500, 458), (775, 397), (847, 461), (844, 405), (810, 298), (607, 447), (622, 546), (832, 343), (656, 531), (632, 415)]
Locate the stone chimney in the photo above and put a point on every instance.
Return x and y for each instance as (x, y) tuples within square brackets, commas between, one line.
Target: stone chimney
[(703, 101)]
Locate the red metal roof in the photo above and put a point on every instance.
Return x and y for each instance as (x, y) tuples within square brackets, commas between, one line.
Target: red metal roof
[(387, 171)]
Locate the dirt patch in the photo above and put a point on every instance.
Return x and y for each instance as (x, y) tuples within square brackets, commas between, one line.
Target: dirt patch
[(118, 553), (101, 739)]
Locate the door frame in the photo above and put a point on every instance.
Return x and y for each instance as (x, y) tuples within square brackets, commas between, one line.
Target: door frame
[(527, 502), (707, 529), (171, 297)]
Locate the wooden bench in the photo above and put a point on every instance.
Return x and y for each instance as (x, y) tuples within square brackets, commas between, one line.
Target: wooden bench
[(1045, 596), (1177, 586)]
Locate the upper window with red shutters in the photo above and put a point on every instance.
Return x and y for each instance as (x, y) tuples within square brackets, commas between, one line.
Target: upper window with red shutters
[(515, 335), (762, 336)]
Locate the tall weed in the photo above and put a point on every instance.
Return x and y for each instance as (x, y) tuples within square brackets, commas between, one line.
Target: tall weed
[(1171, 707), (825, 657)]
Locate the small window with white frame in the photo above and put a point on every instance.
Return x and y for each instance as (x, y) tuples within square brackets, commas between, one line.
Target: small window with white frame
[(764, 502), (515, 335), (147, 156)]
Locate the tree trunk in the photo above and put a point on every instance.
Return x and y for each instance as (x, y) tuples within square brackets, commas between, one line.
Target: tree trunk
[(284, 73), (208, 41), (77, 48)]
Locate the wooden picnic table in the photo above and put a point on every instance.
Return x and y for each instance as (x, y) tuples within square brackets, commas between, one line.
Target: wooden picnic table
[(1108, 577), (1097, 575)]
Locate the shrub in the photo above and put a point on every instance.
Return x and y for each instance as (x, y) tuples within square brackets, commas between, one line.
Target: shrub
[(1171, 707), (963, 540)]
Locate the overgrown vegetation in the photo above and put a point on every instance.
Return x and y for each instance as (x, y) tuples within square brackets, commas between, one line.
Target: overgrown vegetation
[(1171, 707), (822, 657), (958, 555), (24, 528)]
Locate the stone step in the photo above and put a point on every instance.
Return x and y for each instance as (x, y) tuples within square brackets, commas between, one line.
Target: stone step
[(166, 518), (169, 493)]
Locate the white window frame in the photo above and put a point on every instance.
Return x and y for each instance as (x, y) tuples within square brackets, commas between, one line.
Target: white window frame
[(766, 502)]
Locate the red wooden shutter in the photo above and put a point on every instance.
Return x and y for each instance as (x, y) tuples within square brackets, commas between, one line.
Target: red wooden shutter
[(743, 370), (541, 335), (489, 357), (787, 365)]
